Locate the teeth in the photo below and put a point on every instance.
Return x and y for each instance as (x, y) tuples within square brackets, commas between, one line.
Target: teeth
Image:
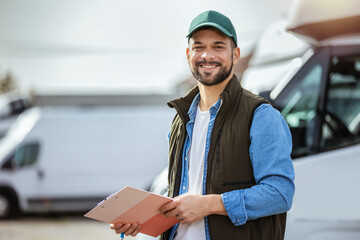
[(208, 66)]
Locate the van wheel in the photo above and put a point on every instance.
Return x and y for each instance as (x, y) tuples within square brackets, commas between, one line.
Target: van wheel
[(4, 206)]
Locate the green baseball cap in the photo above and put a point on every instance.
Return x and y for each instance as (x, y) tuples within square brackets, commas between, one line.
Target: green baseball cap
[(213, 19)]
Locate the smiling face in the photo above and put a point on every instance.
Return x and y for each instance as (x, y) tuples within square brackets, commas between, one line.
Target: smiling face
[(211, 56)]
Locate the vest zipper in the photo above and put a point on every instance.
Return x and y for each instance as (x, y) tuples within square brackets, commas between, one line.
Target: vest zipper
[(171, 170), (218, 150)]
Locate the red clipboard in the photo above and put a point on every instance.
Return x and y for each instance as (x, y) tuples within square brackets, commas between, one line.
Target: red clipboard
[(131, 205)]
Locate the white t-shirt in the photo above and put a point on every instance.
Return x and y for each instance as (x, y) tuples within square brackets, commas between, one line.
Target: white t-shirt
[(196, 230)]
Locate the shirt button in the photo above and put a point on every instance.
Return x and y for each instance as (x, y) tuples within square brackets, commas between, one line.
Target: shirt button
[(184, 188)]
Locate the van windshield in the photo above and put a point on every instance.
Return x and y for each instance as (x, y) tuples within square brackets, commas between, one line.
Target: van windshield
[(340, 119), (17, 132), (342, 115), (299, 110)]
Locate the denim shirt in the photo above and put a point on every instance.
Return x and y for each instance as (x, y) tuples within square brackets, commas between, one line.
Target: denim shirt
[(270, 143)]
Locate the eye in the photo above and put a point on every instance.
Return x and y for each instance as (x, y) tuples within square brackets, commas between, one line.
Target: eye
[(198, 47)]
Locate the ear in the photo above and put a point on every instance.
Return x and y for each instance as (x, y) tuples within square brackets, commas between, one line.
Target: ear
[(236, 55), (188, 54)]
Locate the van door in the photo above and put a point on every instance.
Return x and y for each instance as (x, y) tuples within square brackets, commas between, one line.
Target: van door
[(20, 170), (300, 100), (341, 114), (323, 112)]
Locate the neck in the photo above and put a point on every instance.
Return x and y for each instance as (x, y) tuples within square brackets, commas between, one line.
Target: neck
[(209, 95)]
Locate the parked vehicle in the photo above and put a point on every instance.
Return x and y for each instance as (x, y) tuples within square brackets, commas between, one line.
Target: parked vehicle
[(70, 158), (10, 108), (278, 55), (320, 100), (321, 105)]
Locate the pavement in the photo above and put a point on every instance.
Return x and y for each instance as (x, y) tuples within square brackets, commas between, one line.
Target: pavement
[(64, 227)]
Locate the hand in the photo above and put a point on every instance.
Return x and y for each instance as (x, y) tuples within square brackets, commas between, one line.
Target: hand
[(128, 228), (189, 208)]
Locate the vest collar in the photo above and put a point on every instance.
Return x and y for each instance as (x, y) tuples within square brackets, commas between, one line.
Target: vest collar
[(183, 104)]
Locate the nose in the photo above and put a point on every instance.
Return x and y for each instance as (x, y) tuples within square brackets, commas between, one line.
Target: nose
[(207, 54)]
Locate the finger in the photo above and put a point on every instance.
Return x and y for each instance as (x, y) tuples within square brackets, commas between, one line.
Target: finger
[(123, 228), (137, 230), (131, 229), (167, 207), (116, 226), (183, 221), (171, 213), (179, 196)]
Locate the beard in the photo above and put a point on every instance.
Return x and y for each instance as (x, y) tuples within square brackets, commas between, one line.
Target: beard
[(216, 79)]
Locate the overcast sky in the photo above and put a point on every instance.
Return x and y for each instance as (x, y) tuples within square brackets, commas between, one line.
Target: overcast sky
[(113, 46)]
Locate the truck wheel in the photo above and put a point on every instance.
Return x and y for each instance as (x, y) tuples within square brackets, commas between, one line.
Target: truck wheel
[(4, 206)]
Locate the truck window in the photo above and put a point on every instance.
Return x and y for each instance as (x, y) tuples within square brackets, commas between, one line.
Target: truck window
[(26, 155), (341, 120), (299, 110)]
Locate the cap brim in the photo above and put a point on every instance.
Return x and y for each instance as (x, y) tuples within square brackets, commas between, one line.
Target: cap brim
[(210, 24)]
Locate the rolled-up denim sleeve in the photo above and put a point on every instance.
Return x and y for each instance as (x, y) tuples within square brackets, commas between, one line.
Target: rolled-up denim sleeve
[(237, 214), (270, 151)]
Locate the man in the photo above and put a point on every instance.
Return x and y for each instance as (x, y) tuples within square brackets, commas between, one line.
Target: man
[(230, 170)]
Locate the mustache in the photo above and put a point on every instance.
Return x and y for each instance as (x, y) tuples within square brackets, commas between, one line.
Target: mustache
[(202, 62)]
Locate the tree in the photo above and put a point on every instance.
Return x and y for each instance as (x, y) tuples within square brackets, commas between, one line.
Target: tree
[(7, 83)]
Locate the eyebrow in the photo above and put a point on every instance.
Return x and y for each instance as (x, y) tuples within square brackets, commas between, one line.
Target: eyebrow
[(217, 42), (220, 42)]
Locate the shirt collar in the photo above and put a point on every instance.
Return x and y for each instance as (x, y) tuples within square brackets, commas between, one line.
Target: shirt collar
[(193, 107)]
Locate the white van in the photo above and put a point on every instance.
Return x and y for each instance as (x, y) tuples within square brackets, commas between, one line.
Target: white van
[(319, 97), (11, 106), (70, 158), (278, 54), (321, 104)]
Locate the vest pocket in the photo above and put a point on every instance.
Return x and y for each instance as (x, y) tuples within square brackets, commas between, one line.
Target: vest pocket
[(230, 186)]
